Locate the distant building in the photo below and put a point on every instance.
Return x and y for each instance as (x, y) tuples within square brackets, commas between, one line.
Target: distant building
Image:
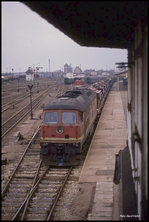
[(77, 70), (88, 71), (30, 74), (78, 74), (93, 73), (67, 68)]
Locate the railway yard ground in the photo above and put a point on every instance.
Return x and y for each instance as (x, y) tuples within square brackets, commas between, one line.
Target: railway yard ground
[(90, 193)]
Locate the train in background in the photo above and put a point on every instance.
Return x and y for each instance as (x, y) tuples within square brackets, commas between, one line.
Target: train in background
[(68, 122), (79, 82), (69, 78)]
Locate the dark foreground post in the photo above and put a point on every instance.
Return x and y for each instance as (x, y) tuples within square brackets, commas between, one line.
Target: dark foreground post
[(30, 88)]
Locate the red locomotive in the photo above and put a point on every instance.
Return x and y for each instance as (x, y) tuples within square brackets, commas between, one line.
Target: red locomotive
[(79, 82), (67, 122)]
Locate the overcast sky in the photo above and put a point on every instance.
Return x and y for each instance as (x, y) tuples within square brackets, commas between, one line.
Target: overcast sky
[(28, 39)]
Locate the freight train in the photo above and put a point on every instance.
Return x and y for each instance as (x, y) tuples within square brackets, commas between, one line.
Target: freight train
[(68, 121)]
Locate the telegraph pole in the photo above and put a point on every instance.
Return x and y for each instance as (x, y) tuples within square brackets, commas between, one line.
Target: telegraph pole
[(49, 67), (30, 88), (18, 85)]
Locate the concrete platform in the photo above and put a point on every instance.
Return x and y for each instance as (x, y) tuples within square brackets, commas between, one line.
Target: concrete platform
[(110, 136)]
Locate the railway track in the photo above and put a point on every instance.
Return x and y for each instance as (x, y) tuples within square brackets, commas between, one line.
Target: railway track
[(17, 117), (19, 98), (33, 189), (13, 101), (7, 106), (10, 123), (9, 94)]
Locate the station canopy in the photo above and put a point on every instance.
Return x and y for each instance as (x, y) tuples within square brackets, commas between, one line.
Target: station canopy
[(97, 24)]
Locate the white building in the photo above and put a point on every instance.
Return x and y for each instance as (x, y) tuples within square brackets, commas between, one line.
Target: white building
[(30, 74), (93, 73)]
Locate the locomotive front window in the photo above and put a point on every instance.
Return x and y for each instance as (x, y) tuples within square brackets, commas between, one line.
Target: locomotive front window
[(68, 117), (51, 117)]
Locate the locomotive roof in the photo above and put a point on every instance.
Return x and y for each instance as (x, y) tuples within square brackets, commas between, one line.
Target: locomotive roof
[(78, 99)]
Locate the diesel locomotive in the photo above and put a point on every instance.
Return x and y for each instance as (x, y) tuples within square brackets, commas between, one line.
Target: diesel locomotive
[(68, 121)]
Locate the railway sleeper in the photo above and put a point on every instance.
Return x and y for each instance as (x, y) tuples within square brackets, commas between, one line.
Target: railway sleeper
[(34, 217), (46, 196), (25, 176), (47, 190), (20, 194), (14, 190), (53, 174), (17, 180), (7, 209), (41, 198), (39, 210), (42, 204), (27, 172), (51, 186), (15, 186)]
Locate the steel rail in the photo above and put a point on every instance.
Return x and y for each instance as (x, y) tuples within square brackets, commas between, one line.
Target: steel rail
[(58, 195), (28, 105), (27, 198), (13, 103), (29, 144), (12, 126), (25, 204), (32, 192)]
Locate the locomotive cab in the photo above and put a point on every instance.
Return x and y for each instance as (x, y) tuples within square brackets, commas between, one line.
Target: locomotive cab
[(61, 135), (67, 124)]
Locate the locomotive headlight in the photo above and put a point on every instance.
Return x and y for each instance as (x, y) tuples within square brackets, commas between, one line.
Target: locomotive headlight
[(59, 130)]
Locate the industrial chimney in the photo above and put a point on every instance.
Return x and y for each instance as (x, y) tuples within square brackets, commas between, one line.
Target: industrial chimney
[(49, 65)]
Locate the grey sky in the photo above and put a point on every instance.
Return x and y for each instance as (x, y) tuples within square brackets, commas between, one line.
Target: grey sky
[(28, 39)]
